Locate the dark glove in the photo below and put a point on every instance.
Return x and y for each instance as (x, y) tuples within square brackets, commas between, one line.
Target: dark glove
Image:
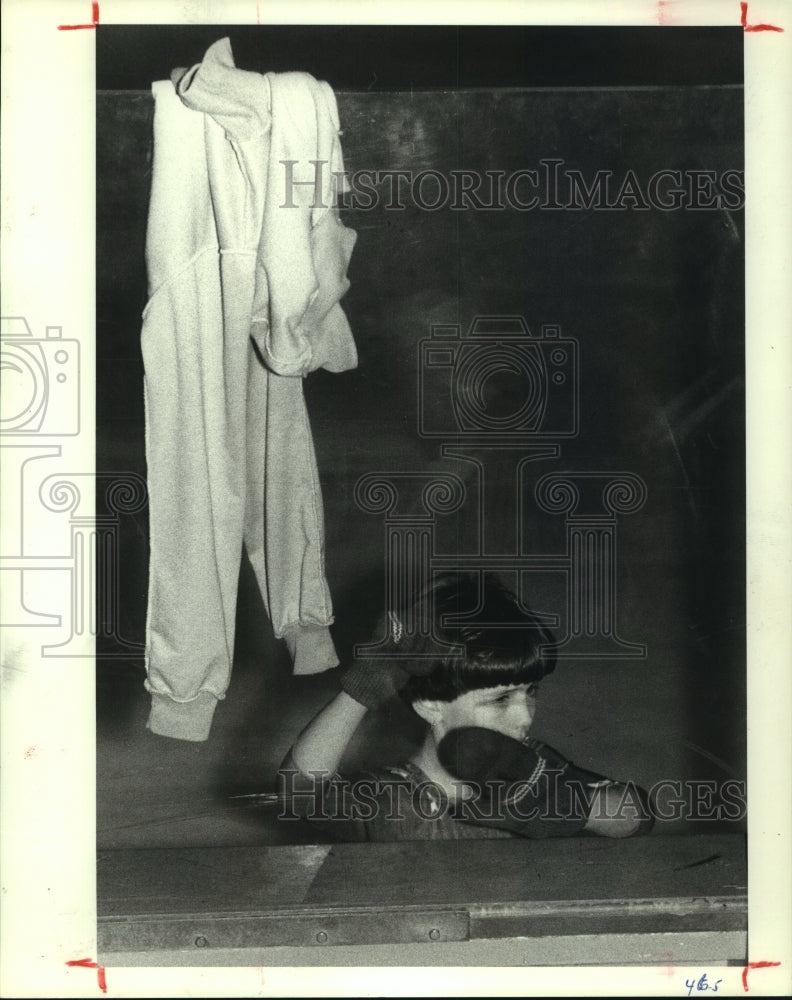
[(571, 772), (522, 786), (481, 755), (374, 681), (513, 775), (624, 806)]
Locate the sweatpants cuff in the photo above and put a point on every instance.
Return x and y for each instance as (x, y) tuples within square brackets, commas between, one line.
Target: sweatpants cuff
[(182, 720), (311, 648)]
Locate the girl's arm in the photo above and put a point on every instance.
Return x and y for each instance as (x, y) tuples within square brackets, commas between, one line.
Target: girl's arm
[(366, 684), (320, 746)]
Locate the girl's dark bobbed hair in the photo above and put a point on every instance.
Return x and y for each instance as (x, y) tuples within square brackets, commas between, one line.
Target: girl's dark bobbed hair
[(493, 639)]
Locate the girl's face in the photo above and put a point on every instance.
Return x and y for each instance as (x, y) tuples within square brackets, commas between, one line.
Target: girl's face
[(508, 709)]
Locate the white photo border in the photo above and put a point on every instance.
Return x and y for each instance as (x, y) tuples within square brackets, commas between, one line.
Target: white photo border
[(48, 718)]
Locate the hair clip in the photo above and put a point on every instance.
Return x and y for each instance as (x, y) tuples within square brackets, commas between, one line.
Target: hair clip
[(396, 628)]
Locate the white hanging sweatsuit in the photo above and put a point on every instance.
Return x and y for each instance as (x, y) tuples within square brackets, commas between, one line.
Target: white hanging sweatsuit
[(242, 271)]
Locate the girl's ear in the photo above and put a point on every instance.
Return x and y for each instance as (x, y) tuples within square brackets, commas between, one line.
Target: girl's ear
[(428, 709)]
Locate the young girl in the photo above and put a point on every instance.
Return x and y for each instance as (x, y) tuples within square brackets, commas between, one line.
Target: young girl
[(477, 773)]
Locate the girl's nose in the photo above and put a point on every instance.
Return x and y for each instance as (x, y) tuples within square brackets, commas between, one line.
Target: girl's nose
[(528, 708)]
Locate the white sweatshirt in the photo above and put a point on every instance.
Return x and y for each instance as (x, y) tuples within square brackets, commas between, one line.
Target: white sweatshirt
[(229, 449)]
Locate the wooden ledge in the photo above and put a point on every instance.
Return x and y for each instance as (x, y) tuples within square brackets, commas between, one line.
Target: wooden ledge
[(606, 897)]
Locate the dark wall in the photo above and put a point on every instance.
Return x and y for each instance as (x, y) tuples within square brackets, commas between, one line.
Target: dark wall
[(382, 58), (654, 299)]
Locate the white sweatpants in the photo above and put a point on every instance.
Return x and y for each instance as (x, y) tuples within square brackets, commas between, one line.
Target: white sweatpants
[(228, 443)]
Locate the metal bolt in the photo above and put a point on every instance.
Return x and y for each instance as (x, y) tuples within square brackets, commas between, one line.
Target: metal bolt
[(434, 934), (200, 941), (321, 937)]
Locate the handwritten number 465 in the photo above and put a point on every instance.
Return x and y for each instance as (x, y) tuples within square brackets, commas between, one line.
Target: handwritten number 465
[(702, 984)]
